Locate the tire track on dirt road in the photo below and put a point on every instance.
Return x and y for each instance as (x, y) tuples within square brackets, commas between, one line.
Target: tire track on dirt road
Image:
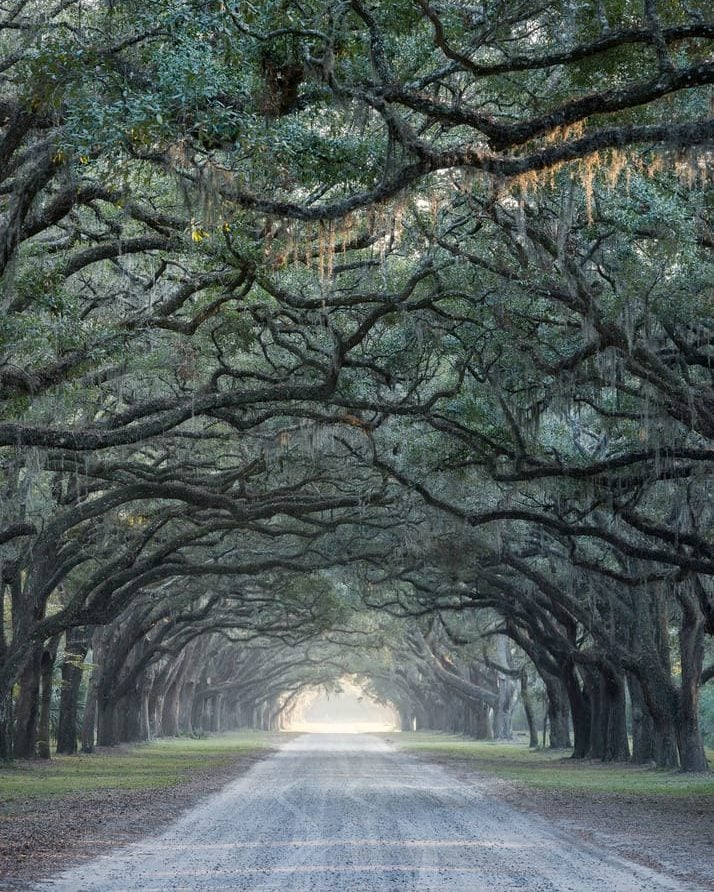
[(349, 813)]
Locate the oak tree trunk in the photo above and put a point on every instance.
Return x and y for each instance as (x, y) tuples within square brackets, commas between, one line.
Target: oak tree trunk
[(76, 649), (47, 665), (27, 708), (691, 645), (617, 748), (579, 700), (558, 713), (528, 710), (643, 730)]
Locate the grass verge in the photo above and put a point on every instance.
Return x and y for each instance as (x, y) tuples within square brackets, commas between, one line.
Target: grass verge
[(149, 766), (53, 814), (553, 770)]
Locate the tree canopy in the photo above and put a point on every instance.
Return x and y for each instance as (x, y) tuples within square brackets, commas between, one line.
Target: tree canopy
[(357, 338)]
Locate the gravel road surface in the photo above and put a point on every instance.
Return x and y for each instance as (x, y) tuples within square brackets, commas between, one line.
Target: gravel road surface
[(349, 813)]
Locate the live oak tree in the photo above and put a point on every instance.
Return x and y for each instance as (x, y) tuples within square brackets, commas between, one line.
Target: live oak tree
[(574, 409)]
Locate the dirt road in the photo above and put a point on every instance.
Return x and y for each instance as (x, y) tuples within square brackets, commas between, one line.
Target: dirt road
[(348, 813)]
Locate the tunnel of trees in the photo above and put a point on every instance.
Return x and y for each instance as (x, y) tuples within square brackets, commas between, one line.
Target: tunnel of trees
[(357, 338)]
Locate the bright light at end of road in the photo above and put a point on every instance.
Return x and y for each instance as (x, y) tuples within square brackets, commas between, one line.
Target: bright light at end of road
[(350, 711)]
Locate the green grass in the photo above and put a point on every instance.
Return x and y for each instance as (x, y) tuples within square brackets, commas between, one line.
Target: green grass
[(552, 770), (154, 765)]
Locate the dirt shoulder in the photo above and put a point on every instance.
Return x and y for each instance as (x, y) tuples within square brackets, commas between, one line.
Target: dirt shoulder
[(40, 835), (671, 835)]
